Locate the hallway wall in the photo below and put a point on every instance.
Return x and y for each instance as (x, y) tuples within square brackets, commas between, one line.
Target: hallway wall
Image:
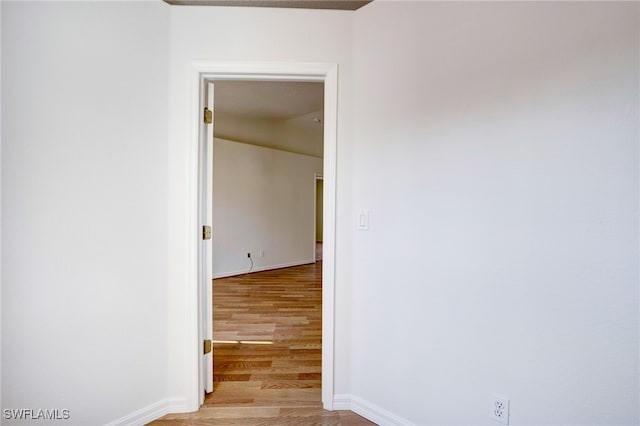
[(84, 177), (263, 204), (498, 159)]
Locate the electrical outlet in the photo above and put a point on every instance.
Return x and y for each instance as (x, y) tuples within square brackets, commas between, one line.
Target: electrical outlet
[(500, 409), (249, 255)]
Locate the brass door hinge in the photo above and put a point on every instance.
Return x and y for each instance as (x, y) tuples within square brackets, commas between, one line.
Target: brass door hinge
[(208, 116), (206, 232), (207, 346)]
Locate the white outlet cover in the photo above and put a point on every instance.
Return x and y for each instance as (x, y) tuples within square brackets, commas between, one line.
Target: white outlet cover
[(500, 409)]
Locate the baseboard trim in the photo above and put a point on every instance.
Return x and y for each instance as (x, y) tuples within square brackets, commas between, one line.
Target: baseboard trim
[(368, 410), (342, 402), (151, 412), (263, 268)]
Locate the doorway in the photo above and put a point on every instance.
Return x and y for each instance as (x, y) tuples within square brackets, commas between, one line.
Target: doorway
[(267, 153), (327, 74)]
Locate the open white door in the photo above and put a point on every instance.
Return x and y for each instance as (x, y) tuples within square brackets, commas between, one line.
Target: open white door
[(206, 218)]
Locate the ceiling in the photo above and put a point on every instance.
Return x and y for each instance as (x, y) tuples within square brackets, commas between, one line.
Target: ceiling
[(287, 116), (268, 99), (294, 4)]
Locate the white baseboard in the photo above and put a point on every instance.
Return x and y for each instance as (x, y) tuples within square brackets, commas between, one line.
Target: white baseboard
[(151, 412), (263, 268), (354, 403), (342, 402), (368, 410)]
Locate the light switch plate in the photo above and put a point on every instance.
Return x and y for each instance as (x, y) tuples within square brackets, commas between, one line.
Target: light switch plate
[(363, 220)]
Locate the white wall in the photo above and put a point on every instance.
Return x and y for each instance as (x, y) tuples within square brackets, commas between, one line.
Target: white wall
[(498, 158), (263, 203), (84, 172), (251, 35)]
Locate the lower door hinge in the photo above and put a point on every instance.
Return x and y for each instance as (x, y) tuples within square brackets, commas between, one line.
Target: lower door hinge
[(207, 346)]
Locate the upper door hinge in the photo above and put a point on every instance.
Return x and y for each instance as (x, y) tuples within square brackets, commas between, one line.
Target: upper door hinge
[(206, 232), (208, 116), (207, 346)]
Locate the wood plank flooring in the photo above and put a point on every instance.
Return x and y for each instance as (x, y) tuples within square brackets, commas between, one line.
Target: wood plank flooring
[(267, 353)]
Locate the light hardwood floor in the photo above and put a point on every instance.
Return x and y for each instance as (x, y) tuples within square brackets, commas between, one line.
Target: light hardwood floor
[(267, 353)]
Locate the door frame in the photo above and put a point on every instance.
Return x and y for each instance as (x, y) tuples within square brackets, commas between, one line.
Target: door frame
[(203, 71)]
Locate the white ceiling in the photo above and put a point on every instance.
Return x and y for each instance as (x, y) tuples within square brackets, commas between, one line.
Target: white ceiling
[(268, 99), (287, 116)]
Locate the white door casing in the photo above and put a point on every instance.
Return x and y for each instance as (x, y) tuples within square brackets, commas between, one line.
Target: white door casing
[(203, 73)]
